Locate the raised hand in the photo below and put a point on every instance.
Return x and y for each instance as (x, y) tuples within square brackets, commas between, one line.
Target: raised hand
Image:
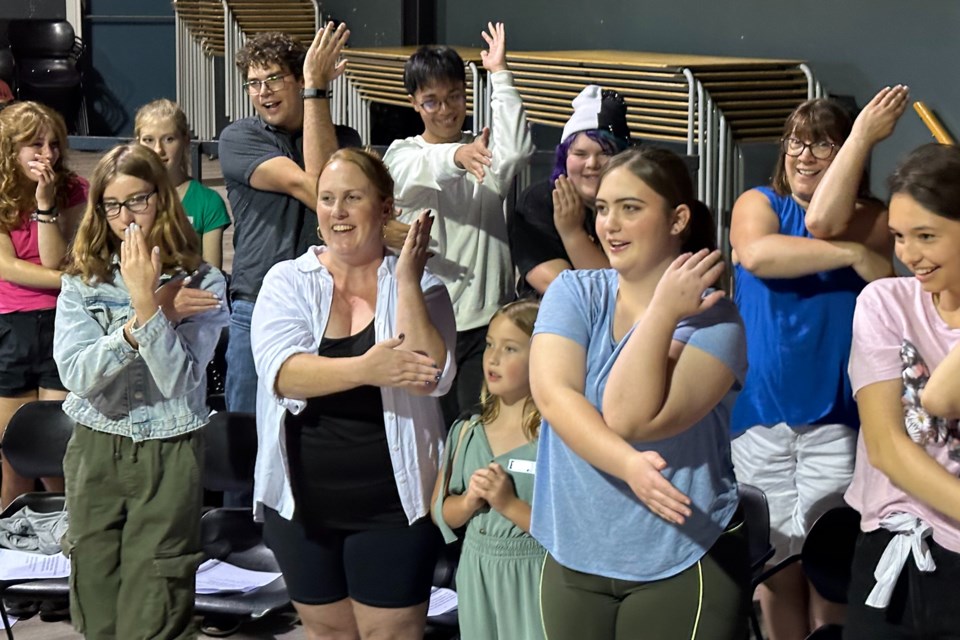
[(178, 301), (139, 265), (680, 290), (322, 63), (42, 170), (879, 117), (495, 58), (475, 157), (495, 486), (387, 366), (416, 249), (568, 209), (647, 482)]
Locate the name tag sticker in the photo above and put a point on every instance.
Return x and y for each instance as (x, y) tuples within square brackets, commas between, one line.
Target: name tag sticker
[(522, 466)]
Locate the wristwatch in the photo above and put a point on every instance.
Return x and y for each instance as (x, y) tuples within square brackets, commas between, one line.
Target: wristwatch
[(310, 93)]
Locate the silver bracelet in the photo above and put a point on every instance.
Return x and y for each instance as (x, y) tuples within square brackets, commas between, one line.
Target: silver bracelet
[(52, 215)]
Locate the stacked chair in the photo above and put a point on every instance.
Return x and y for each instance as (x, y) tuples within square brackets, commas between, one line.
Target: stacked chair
[(48, 59)]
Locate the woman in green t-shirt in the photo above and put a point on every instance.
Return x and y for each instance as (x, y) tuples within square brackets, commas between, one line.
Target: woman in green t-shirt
[(162, 126)]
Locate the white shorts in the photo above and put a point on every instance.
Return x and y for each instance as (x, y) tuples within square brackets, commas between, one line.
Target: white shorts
[(804, 472)]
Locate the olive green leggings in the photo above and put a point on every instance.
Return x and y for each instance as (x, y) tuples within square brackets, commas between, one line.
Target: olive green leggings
[(708, 601)]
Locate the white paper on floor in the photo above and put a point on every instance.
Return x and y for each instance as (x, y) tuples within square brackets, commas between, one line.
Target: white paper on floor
[(23, 565), (441, 601), (216, 576), (213, 576)]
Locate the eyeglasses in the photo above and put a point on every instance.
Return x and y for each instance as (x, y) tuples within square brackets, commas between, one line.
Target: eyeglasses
[(136, 204), (273, 83), (820, 150), (432, 105)]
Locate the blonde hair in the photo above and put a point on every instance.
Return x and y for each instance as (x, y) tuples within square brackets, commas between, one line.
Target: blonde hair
[(20, 124), (523, 314), (93, 251), (164, 110)]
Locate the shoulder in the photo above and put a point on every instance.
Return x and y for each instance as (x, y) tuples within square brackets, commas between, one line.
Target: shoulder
[(758, 197), (77, 190), (242, 132), (536, 198), (886, 293), (204, 192), (413, 143), (283, 274), (583, 290)]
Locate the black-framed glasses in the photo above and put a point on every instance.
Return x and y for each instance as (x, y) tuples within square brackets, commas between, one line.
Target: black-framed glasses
[(273, 83), (432, 105), (137, 204), (794, 147)]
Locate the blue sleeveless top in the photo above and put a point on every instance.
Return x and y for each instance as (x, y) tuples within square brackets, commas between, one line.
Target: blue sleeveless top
[(798, 340)]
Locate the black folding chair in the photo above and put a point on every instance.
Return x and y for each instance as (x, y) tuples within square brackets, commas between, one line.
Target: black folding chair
[(230, 534), (34, 444), (756, 514)]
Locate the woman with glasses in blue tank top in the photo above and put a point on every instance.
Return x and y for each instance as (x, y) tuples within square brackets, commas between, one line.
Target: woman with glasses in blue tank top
[(804, 247)]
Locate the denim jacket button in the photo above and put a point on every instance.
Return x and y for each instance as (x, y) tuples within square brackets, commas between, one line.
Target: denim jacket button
[(138, 395)]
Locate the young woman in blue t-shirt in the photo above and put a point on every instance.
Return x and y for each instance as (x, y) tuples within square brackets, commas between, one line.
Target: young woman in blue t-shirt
[(635, 370)]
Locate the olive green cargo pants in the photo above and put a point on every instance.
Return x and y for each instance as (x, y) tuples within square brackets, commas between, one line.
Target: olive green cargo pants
[(134, 534)]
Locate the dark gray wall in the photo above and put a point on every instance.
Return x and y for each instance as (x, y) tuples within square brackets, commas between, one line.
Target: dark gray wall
[(373, 23), (855, 47), (132, 59)]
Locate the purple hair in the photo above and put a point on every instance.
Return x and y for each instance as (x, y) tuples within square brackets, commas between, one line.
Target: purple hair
[(611, 145)]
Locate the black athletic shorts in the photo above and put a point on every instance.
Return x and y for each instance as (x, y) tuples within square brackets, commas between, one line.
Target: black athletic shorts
[(26, 353), (388, 568)]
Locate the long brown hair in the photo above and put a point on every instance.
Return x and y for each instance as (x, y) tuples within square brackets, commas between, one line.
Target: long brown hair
[(523, 314), (92, 255), (20, 124)]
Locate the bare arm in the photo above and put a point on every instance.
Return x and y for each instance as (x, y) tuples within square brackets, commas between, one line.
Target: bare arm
[(682, 384), (544, 273), (51, 243), (890, 449), (832, 207), (765, 252), (23, 273), (413, 319), (321, 66), (212, 247), (941, 395), (283, 175), (557, 377)]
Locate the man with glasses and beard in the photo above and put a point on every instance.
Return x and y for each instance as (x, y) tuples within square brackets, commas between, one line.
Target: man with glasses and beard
[(270, 166)]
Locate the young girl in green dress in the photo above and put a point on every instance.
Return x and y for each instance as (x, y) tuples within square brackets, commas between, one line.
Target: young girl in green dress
[(486, 485)]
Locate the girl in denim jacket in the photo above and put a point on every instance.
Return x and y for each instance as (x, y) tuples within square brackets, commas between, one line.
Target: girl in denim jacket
[(135, 365)]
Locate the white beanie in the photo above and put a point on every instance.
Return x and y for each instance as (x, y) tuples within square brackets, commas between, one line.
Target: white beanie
[(594, 109)]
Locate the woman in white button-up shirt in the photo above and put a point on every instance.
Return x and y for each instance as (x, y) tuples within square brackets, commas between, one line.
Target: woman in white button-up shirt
[(353, 345)]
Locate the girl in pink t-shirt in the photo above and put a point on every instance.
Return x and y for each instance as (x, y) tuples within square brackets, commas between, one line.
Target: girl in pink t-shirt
[(40, 203), (905, 373)]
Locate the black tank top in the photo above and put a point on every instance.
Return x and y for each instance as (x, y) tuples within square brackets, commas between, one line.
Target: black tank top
[(340, 467)]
